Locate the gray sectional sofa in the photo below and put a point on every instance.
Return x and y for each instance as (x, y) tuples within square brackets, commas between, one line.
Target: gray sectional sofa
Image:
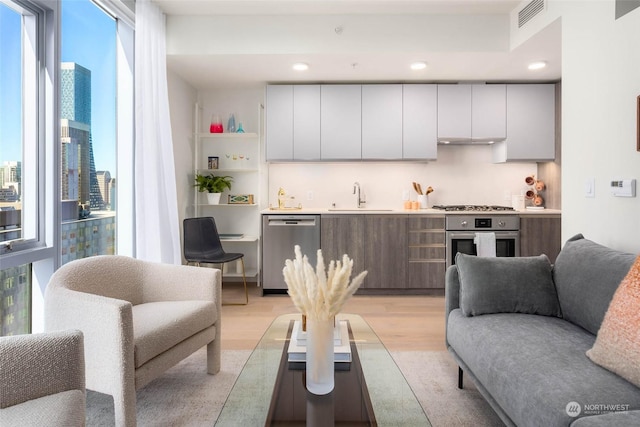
[(520, 328)]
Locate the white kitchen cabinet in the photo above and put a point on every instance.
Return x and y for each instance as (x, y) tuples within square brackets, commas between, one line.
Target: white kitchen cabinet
[(471, 112), (340, 126), (238, 156), (488, 112), (306, 122), (454, 112), (419, 121), (530, 124), (279, 122), (382, 122)]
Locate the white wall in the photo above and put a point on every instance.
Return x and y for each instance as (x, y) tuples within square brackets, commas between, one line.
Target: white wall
[(601, 80)]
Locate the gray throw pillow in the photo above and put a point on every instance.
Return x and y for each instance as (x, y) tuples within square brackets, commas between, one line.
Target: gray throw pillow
[(506, 285)]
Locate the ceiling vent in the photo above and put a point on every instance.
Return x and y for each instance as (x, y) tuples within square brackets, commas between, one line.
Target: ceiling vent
[(530, 11)]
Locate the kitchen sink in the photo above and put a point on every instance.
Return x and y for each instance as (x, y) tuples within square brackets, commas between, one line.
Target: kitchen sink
[(358, 210)]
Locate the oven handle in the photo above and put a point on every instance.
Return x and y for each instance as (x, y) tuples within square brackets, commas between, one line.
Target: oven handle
[(472, 234)]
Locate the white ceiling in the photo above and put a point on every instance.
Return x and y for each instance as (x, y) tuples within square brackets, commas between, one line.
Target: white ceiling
[(217, 43)]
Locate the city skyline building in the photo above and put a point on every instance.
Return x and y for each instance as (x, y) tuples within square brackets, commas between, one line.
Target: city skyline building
[(79, 179), (104, 182)]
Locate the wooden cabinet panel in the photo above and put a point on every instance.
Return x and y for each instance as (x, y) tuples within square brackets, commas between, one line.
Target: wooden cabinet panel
[(427, 253), (385, 242), (540, 235), (343, 234)]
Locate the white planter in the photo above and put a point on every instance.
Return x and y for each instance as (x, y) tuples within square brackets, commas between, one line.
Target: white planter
[(213, 198)]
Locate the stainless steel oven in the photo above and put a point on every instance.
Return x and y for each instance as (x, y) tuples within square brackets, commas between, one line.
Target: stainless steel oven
[(461, 231)]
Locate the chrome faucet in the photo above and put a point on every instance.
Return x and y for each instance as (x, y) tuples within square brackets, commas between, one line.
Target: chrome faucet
[(356, 190)]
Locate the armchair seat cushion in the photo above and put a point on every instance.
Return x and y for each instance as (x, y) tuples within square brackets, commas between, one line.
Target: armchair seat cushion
[(158, 326), (62, 409)]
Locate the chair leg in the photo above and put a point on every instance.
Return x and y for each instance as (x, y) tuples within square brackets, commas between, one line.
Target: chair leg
[(460, 376), (244, 280)]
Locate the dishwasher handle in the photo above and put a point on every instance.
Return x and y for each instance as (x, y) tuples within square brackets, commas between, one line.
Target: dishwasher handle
[(274, 221)]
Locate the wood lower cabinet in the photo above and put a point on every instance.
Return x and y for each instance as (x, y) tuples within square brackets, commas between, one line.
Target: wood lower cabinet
[(385, 251), (427, 252), (343, 234), (400, 252), (540, 235)]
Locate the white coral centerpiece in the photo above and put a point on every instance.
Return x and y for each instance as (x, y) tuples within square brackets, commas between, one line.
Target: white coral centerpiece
[(319, 294)]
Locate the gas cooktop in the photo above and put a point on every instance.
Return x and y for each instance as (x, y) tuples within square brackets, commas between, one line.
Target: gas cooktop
[(473, 208)]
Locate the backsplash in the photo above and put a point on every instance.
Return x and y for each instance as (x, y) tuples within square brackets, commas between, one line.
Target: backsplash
[(461, 175)]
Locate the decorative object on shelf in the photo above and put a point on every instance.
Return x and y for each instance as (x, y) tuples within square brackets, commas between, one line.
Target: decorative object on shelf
[(216, 124), (231, 123), (240, 129), (532, 194), (213, 162), (320, 295), (213, 185), (240, 199)]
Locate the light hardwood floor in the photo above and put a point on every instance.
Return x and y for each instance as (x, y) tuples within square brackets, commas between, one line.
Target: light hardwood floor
[(402, 323)]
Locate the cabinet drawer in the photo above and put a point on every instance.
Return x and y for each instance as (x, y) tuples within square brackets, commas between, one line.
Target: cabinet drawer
[(427, 253), (435, 237)]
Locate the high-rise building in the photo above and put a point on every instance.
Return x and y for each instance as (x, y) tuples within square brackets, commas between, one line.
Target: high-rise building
[(10, 181), (79, 180), (104, 182)]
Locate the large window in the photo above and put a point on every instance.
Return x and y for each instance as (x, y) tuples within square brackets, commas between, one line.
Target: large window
[(66, 103), (88, 131)]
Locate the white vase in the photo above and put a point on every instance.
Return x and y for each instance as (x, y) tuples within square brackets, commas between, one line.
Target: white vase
[(213, 198), (319, 361)]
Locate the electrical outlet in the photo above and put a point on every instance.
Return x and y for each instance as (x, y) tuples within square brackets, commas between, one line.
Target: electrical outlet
[(405, 195), (309, 195), (506, 195)]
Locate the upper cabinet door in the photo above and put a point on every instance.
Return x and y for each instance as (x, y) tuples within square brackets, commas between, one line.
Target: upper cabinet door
[(279, 122), (454, 111), (489, 112), (531, 125), (382, 121), (306, 122), (340, 127), (419, 121)]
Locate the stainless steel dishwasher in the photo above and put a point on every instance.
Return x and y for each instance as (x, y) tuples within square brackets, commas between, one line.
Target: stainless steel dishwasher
[(280, 234)]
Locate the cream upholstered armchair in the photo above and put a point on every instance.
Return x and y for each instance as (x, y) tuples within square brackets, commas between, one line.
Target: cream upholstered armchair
[(42, 380), (139, 318)]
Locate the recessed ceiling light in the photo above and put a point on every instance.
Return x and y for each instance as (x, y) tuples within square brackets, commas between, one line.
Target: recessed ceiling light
[(418, 65), (538, 65), (300, 66)]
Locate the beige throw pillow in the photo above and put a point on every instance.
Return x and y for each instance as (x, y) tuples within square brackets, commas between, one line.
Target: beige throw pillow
[(617, 346)]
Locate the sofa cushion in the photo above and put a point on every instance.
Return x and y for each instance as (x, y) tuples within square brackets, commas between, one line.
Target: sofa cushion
[(533, 366), (617, 346), (506, 285), (586, 275), (158, 326), (65, 409)]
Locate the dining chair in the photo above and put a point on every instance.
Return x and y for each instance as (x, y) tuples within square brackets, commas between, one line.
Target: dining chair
[(202, 245)]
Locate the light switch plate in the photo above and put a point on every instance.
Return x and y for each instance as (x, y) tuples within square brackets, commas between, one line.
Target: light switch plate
[(590, 187)]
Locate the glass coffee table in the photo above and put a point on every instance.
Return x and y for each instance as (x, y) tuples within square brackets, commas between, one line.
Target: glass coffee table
[(371, 390)]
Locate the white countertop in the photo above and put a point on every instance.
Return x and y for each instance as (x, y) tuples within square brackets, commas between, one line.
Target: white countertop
[(382, 211)]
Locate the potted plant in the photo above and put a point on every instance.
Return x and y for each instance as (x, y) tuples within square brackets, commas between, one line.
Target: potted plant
[(213, 186)]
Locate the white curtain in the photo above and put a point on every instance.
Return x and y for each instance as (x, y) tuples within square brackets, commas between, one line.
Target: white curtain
[(156, 206)]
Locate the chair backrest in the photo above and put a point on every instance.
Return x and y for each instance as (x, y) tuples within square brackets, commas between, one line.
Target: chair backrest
[(201, 240), (112, 276)]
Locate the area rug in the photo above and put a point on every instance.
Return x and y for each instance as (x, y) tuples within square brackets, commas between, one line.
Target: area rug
[(186, 396)]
